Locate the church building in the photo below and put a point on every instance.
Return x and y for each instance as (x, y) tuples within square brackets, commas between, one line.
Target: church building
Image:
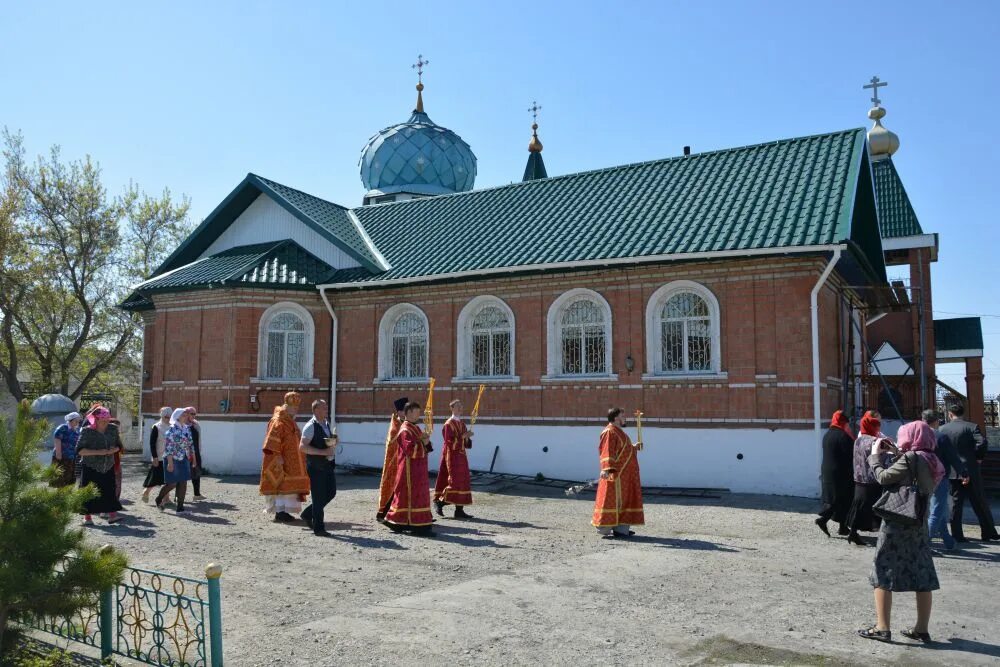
[(724, 294)]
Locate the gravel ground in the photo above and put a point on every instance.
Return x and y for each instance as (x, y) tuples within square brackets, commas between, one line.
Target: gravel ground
[(742, 579)]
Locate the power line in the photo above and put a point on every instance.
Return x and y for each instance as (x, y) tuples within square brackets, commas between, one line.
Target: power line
[(948, 312)]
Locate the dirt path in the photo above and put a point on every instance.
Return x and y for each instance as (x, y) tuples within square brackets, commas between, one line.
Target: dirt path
[(744, 579)]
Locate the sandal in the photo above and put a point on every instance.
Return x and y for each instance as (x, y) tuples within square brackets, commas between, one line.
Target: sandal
[(874, 633), (912, 633)]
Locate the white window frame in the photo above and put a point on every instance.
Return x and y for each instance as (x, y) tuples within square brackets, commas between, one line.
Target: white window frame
[(654, 332), (463, 347), (385, 327), (309, 343), (554, 334)]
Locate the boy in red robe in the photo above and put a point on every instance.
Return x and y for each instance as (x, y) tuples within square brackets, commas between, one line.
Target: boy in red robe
[(410, 506), (388, 482), (454, 483), (619, 492)]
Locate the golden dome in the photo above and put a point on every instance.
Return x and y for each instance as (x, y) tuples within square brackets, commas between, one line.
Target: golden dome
[(535, 145)]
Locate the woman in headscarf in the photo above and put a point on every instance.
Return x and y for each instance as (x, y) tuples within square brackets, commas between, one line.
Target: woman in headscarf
[(284, 482), (903, 560), (96, 448), (837, 474), (157, 439), (866, 488), (178, 451), (196, 461), (64, 449)]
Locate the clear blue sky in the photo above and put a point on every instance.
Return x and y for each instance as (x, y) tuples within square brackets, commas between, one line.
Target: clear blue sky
[(193, 95)]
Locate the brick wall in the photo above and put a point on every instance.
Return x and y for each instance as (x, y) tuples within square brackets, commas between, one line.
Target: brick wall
[(201, 348)]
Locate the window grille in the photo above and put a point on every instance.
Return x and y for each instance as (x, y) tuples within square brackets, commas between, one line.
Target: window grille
[(409, 347), (286, 347), (491, 342), (584, 344), (686, 335)]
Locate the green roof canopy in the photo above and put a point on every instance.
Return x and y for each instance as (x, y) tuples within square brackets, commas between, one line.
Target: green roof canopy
[(896, 216), (282, 264), (792, 194), (959, 333)]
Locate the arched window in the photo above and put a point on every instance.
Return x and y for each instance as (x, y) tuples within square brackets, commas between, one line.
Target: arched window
[(682, 325), (403, 343), (286, 343), (580, 334), (486, 339)]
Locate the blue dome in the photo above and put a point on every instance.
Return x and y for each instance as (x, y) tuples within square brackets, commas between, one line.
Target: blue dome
[(418, 157)]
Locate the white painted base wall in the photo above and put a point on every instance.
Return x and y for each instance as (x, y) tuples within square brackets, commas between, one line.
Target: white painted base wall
[(780, 462)]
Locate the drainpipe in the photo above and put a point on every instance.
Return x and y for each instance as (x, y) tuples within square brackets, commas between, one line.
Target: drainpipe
[(814, 316), (333, 355)]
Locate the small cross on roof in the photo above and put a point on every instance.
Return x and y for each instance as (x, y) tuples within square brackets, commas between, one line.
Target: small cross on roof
[(874, 86)]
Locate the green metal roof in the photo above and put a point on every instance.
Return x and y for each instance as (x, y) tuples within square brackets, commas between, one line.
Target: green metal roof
[(535, 167), (283, 264), (896, 216), (960, 333), (330, 220), (793, 193)]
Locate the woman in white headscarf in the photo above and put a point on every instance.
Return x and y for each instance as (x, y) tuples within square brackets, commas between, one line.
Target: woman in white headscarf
[(178, 452), (64, 449), (157, 440)]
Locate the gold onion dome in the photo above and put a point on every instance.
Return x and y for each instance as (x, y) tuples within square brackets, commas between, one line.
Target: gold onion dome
[(535, 145), (880, 140)]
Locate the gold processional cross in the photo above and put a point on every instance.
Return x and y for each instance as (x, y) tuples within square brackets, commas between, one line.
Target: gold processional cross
[(874, 86)]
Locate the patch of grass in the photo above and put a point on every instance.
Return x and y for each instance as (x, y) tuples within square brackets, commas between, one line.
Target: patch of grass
[(720, 650)]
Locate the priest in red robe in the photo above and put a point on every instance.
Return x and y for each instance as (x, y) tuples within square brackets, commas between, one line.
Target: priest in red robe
[(619, 492), (388, 482), (410, 506), (454, 483)]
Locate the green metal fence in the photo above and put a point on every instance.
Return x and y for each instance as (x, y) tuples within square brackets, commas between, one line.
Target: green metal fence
[(153, 617)]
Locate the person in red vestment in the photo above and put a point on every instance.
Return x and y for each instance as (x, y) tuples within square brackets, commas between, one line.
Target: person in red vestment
[(454, 483), (410, 506), (388, 482), (619, 492), (284, 482)]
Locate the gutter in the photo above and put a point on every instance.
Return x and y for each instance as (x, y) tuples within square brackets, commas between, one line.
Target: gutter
[(588, 263), (333, 355), (814, 324)]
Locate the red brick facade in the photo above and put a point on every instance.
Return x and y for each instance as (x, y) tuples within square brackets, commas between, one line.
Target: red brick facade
[(201, 347)]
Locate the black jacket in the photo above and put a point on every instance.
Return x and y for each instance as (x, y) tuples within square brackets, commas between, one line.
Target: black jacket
[(969, 442)]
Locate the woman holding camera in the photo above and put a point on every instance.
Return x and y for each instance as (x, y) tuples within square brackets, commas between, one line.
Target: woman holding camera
[(903, 560)]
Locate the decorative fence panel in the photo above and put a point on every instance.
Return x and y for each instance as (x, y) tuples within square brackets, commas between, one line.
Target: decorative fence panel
[(153, 617)]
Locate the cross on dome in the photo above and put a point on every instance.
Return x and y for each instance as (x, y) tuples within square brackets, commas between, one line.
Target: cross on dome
[(533, 110), (419, 66), (875, 84)]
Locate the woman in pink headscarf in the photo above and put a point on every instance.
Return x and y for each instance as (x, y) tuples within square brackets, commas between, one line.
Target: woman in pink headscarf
[(96, 448), (903, 560)]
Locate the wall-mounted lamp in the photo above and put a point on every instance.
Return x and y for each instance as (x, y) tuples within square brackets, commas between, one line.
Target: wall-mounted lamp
[(629, 362), (145, 374), (224, 406), (254, 403)]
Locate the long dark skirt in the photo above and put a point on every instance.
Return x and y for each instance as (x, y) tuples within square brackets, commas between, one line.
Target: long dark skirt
[(861, 516), (903, 560), (105, 483), (154, 477)]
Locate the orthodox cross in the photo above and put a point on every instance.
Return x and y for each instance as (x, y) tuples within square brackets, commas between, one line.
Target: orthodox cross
[(875, 85), (419, 66), (533, 110)]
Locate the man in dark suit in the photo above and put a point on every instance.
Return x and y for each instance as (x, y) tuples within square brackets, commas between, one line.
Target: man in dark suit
[(971, 446)]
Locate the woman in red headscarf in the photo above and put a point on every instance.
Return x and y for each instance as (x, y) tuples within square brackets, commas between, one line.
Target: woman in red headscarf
[(836, 474), (866, 488)]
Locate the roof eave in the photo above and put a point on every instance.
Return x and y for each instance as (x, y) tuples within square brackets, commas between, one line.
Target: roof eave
[(583, 264)]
